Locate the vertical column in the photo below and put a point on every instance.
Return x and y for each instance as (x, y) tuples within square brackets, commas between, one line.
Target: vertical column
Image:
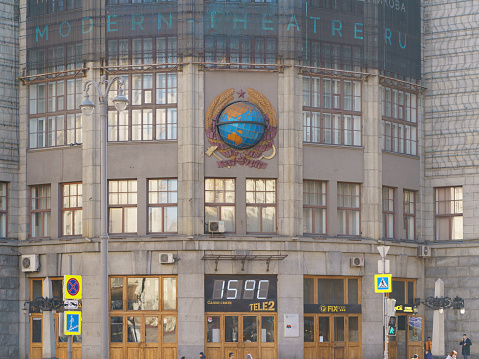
[(438, 347), (290, 179), (48, 329), (371, 196)]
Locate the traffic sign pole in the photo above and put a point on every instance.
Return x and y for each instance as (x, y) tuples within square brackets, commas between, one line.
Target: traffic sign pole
[(383, 250), (70, 337)]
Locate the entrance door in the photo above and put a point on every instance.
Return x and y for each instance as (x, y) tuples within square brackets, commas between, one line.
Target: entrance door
[(240, 334), (415, 336), (332, 336), (146, 337)]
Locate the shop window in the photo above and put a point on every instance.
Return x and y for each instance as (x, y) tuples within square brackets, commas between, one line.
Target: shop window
[(331, 290), (260, 206), (314, 207), (220, 199), (40, 211), (72, 209), (122, 206), (3, 209), (388, 212), (399, 124), (152, 114), (349, 209), (149, 313), (331, 111), (55, 118), (409, 213), (162, 205), (449, 213)]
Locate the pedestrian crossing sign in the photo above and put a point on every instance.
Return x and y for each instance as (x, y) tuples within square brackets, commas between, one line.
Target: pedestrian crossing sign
[(382, 283), (72, 323)]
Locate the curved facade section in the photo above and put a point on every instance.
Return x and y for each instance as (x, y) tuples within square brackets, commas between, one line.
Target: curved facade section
[(267, 150)]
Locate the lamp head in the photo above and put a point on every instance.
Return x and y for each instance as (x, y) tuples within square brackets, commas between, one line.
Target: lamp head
[(441, 310), (87, 107), (462, 311), (120, 101)]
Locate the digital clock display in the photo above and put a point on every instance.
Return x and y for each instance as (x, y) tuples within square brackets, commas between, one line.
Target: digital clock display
[(240, 293)]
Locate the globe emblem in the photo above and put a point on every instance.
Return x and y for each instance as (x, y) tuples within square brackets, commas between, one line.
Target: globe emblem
[(241, 125)]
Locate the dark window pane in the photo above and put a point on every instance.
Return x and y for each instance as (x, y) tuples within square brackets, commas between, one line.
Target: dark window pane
[(37, 330), (309, 329), (330, 291), (308, 289), (353, 291), (116, 329), (398, 292)]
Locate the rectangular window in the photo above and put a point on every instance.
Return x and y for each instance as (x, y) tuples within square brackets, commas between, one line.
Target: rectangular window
[(3, 209), (399, 128), (50, 124), (72, 204), (40, 211), (403, 290), (449, 211), (260, 206), (163, 205), (314, 207), (237, 50), (220, 199), (409, 213), (331, 290), (122, 206), (349, 209), (331, 111), (152, 114), (388, 212)]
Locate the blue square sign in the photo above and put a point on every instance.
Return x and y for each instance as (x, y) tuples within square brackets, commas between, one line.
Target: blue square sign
[(72, 323), (382, 283)]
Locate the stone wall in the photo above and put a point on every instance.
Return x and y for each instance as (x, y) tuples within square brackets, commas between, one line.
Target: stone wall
[(457, 266), (9, 299)]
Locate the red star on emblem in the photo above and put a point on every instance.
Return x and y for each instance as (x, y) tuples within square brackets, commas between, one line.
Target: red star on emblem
[(241, 93)]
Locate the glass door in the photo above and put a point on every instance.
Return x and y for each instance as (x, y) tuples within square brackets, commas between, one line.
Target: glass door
[(339, 337), (415, 336)]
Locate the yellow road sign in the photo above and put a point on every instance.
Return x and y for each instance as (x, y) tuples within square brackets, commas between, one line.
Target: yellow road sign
[(72, 287), (382, 283)]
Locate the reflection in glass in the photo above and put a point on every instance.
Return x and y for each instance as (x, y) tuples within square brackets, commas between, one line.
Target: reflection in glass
[(36, 330), (398, 291), (323, 334), (309, 329), (169, 293), (169, 329), (330, 291), (415, 329), (353, 329), (143, 293), (134, 329), (250, 334), (116, 329), (213, 327), (151, 329), (410, 293), (116, 293), (339, 329), (231, 329), (267, 329)]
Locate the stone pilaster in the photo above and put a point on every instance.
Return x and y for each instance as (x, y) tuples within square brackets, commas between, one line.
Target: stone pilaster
[(371, 196)]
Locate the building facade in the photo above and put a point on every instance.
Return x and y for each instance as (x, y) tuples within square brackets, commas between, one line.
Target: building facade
[(268, 149)]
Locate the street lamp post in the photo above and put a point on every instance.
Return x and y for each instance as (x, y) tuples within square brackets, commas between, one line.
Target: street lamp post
[(87, 107)]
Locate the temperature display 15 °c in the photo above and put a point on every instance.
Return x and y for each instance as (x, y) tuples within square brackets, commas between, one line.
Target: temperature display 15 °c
[(240, 289)]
